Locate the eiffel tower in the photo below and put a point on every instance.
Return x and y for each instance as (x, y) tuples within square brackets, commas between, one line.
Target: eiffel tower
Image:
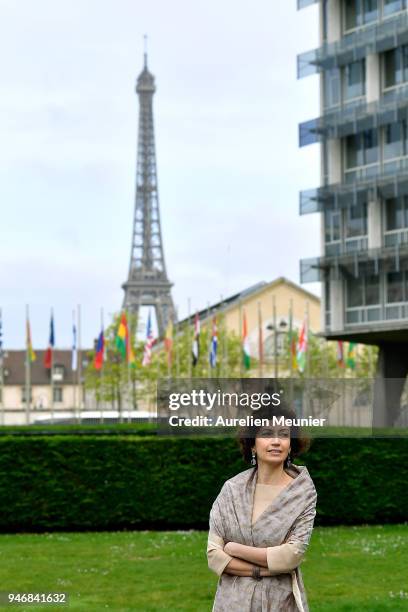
[(147, 283)]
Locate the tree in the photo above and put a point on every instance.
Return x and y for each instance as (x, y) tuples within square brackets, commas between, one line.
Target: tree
[(119, 385)]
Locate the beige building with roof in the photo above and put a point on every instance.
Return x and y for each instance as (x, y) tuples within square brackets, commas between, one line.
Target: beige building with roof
[(64, 394), (268, 301)]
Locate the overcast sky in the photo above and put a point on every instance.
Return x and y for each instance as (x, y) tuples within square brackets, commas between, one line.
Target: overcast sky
[(227, 109)]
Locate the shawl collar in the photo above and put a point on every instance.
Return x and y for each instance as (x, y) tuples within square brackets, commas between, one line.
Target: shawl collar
[(294, 498)]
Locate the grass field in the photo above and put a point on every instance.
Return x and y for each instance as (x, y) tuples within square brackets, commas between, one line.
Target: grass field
[(347, 569)]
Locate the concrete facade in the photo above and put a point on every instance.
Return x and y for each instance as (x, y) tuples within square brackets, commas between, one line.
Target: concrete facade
[(261, 298), (363, 197)]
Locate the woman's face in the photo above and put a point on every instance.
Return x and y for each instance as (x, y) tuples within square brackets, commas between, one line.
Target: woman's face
[(272, 444)]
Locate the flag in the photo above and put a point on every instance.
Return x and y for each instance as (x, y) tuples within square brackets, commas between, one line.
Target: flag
[(147, 355), (340, 354), (29, 346), (168, 341), (195, 349), (245, 344), (122, 341), (1, 338), (74, 363), (260, 336), (302, 347), (292, 342), (351, 355), (51, 343), (214, 343), (100, 352)]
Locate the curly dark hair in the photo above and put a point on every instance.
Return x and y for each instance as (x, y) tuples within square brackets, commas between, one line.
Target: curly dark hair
[(299, 443)]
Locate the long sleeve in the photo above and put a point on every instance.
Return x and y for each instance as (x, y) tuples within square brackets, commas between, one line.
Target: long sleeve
[(283, 558), (289, 555), (217, 558)]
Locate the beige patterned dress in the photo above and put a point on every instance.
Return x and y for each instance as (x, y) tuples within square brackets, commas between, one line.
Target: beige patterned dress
[(288, 519)]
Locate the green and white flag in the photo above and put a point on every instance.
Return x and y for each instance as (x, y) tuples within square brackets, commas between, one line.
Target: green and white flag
[(245, 345)]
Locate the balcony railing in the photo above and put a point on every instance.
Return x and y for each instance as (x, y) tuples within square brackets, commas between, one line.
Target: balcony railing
[(387, 181), (379, 313), (349, 245), (354, 118), (356, 45), (393, 237), (363, 314), (316, 269)]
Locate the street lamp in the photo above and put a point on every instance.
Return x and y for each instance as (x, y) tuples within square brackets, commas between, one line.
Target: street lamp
[(281, 329)]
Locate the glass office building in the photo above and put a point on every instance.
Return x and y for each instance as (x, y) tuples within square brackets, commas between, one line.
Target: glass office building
[(363, 197)]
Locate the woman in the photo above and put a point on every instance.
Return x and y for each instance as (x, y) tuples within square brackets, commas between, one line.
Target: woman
[(261, 523)]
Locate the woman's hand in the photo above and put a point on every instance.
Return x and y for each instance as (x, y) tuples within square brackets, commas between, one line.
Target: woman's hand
[(252, 554)]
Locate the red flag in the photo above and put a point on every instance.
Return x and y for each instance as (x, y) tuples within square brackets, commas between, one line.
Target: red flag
[(51, 342), (340, 353), (100, 349)]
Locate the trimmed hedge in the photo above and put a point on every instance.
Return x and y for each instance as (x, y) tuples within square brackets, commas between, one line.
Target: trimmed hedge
[(81, 429), (96, 483)]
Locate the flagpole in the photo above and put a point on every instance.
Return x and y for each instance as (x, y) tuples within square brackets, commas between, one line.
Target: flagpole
[(291, 337), (326, 361), (209, 327), (158, 355), (74, 348), (27, 373), (176, 338), (168, 350), (307, 341), (129, 382), (134, 386), (1, 368), (190, 359), (343, 393), (79, 368), (241, 361), (225, 342), (260, 347), (52, 370), (275, 339), (101, 374)]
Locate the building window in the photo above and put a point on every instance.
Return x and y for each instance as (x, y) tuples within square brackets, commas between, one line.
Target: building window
[(24, 395), (269, 345), (354, 80), (58, 372), (327, 296), (324, 19), (345, 84), (355, 293), (58, 395), (396, 287), (332, 227), (396, 66), (360, 12), (362, 149), (363, 291), (356, 221), (393, 6), (395, 140), (396, 213), (372, 290), (332, 87)]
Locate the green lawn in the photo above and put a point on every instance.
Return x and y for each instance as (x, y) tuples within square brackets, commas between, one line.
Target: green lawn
[(347, 569)]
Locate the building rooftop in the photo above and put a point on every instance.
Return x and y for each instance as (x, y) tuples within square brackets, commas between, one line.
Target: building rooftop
[(233, 300), (14, 367)]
